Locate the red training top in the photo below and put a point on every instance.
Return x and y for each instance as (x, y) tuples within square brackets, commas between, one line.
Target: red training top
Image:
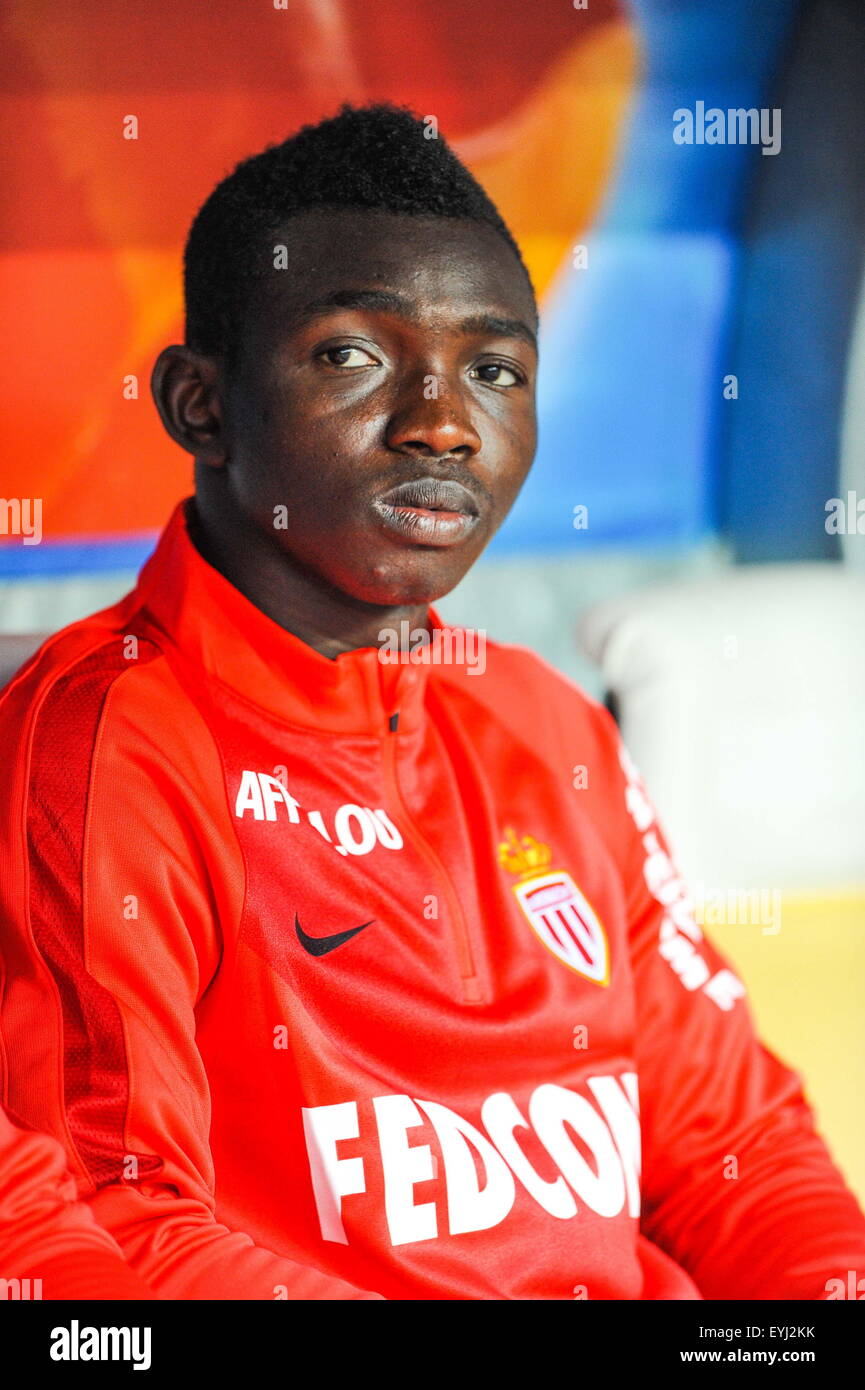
[(369, 975)]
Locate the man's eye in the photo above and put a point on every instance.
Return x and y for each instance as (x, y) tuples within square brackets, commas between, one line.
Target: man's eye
[(348, 356), (496, 374)]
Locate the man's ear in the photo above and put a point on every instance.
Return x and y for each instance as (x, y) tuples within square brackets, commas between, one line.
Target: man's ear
[(187, 389)]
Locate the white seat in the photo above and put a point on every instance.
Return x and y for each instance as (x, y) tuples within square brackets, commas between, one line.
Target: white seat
[(742, 700), (15, 648)]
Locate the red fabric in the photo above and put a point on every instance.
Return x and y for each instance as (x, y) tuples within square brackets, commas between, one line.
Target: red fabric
[(447, 1104), (96, 1081), (88, 1275), (50, 1245)]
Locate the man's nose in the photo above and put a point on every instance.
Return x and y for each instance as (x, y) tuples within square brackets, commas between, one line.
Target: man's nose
[(432, 420)]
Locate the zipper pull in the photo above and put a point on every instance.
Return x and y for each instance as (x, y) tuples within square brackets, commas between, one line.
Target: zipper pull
[(393, 722)]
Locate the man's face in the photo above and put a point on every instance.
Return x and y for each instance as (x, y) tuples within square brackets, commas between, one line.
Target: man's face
[(394, 353)]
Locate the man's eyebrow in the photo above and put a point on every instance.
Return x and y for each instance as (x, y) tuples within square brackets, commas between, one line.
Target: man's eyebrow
[(496, 327), (387, 301), (384, 300)]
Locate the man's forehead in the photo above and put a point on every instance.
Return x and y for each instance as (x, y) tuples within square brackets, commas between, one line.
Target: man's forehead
[(487, 321), (394, 263)]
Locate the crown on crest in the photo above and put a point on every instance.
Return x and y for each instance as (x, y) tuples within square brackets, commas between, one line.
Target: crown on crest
[(525, 857)]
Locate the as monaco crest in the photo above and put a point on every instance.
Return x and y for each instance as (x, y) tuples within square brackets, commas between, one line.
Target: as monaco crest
[(555, 909)]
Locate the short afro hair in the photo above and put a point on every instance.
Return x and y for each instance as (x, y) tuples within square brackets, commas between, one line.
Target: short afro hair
[(379, 157)]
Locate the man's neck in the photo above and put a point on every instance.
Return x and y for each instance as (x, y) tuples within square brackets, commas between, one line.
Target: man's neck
[(301, 602)]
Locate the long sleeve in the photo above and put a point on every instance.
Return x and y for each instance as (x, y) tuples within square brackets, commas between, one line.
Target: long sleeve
[(118, 893), (738, 1185), (51, 1246)]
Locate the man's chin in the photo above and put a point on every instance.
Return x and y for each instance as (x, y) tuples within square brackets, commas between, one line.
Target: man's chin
[(405, 585), (401, 596), (362, 569), (403, 588)]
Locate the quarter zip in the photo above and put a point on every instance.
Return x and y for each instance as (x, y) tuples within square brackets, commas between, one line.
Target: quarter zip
[(472, 992)]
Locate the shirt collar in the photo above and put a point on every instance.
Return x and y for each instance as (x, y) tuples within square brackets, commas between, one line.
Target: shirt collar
[(216, 627)]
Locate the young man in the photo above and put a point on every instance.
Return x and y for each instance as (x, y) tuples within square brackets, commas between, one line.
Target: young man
[(346, 976)]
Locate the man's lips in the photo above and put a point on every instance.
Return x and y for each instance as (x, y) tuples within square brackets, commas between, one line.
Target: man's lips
[(429, 511)]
